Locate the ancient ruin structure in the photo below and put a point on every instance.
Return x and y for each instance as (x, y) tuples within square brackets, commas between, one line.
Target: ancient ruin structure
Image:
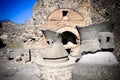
[(62, 18), (58, 33)]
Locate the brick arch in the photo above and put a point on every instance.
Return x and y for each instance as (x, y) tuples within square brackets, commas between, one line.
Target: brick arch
[(65, 14), (68, 28), (63, 17)]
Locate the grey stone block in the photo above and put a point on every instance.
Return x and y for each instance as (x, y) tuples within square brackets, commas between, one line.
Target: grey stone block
[(99, 34)]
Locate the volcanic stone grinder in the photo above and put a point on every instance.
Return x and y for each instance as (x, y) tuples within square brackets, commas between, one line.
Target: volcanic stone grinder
[(96, 37), (55, 50)]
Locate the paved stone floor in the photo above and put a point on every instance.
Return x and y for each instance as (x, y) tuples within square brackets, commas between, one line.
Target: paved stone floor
[(18, 71), (11, 70)]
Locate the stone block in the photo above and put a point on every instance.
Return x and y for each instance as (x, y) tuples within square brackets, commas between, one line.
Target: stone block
[(96, 37)]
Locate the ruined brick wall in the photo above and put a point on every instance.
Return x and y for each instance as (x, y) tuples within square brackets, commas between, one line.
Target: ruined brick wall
[(43, 8), (92, 11), (62, 18)]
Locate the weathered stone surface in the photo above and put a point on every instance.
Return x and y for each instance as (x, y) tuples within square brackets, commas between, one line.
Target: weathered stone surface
[(3, 54), (11, 34), (116, 32), (18, 71), (51, 36), (15, 53), (10, 72), (100, 66), (95, 72), (57, 72), (36, 55), (94, 11), (86, 46), (102, 10), (26, 74)]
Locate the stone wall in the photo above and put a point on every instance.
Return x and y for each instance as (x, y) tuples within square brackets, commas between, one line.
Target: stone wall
[(44, 10), (104, 10), (92, 11)]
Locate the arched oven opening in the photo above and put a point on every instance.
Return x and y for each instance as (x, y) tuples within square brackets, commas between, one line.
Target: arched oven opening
[(69, 40)]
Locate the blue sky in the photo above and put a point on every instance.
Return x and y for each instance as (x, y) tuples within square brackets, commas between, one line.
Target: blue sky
[(16, 10)]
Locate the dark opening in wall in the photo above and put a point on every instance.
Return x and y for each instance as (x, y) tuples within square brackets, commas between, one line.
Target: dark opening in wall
[(99, 40), (2, 45), (68, 50), (107, 14), (68, 37), (34, 19), (108, 39), (64, 13), (48, 42)]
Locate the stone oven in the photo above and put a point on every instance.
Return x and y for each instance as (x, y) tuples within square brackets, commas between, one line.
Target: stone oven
[(64, 21)]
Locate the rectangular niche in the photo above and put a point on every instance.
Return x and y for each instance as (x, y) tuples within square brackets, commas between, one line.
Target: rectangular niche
[(64, 15)]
